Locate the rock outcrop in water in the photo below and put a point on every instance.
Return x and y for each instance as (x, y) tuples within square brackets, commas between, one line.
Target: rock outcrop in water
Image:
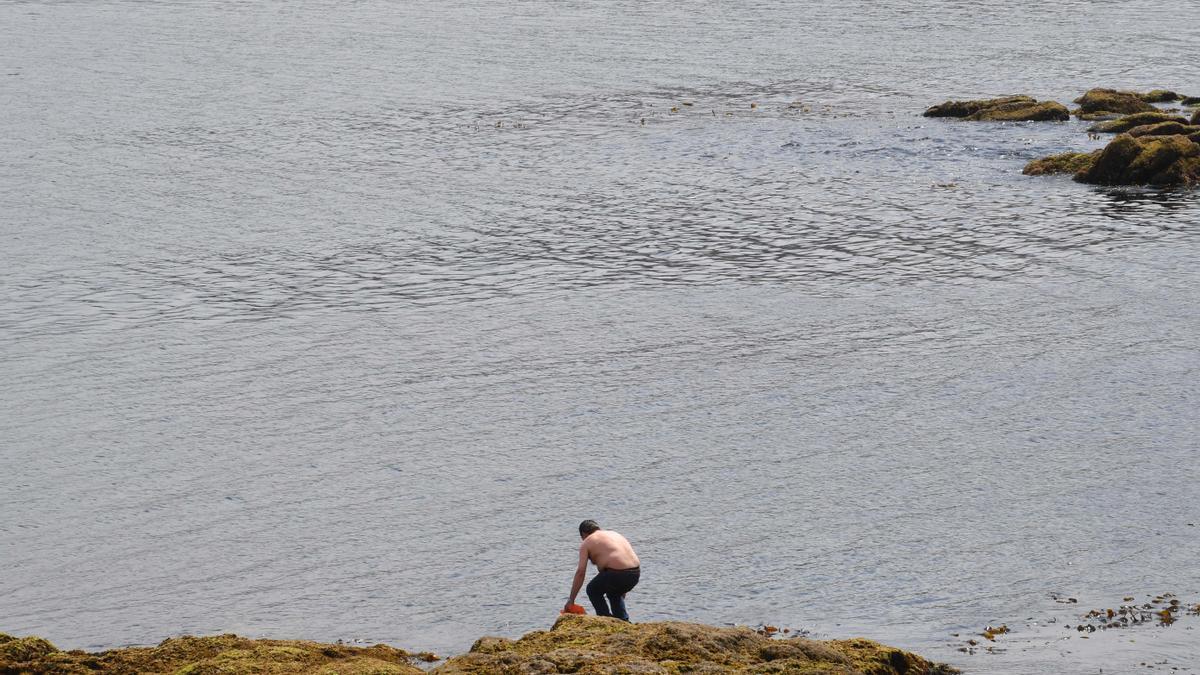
[(1155, 160), (1098, 102), (576, 644), (1018, 108), (1159, 96), (1128, 160), (1154, 147), (1066, 162), (1128, 122)]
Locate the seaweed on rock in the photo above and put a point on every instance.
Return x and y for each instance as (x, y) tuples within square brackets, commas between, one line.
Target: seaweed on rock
[(1066, 162), (207, 656), (1019, 108), (1098, 101), (1151, 160), (1128, 122), (576, 644), (1170, 128), (594, 645), (1159, 96)]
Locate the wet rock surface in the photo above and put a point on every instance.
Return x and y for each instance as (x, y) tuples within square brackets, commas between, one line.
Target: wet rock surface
[(207, 656), (586, 644), (1017, 108)]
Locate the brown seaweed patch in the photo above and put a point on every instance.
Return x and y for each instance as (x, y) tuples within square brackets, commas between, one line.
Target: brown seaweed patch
[(1066, 162), (588, 644), (208, 656)]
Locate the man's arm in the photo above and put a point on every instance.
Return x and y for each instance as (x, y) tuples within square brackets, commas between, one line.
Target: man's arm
[(580, 572)]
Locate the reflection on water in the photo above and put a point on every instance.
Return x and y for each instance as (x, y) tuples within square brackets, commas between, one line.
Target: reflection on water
[(326, 320)]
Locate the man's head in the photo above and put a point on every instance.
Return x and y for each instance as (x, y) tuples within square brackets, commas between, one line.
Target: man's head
[(587, 527)]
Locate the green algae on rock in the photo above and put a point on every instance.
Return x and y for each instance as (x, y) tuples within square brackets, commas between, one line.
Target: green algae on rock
[(595, 645), (1150, 160), (1046, 111), (207, 656), (1128, 122), (1097, 101), (1066, 162), (1019, 108)]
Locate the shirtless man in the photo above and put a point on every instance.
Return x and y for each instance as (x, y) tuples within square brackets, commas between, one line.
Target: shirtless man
[(619, 570)]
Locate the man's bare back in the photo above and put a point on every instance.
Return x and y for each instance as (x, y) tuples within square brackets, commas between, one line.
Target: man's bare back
[(619, 572), (609, 550)]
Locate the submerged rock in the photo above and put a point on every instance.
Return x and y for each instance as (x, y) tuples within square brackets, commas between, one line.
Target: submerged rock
[(207, 656), (1017, 108), (1112, 101), (1067, 162), (595, 645), (1128, 122), (1150, 160)]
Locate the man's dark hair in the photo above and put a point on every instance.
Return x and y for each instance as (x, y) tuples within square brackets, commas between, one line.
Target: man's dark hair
[(587, 527)]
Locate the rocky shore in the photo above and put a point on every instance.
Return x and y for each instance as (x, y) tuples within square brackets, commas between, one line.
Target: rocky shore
[(575, 644), (1154, 146)]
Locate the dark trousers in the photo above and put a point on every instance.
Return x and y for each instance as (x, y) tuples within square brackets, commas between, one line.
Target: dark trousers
[(613, 585)]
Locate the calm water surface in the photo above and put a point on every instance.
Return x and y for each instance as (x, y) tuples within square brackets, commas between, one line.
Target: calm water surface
[(332, 320)]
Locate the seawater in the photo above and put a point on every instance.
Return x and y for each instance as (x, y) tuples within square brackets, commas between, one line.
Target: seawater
[(331, 320)]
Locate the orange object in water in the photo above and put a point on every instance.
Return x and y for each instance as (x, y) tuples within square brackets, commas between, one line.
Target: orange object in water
[(574, 609)]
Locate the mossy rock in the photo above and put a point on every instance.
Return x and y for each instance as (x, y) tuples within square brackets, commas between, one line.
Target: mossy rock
[(967, 108), (1170, 128), (1190, 101), (20, 650), (1159, 96), (1127, 122), (1150, 160), (217, 655), (594, 645), (1019, 108), (1112, 101), (1066, 162), (1046, 111), (1195, 121)]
